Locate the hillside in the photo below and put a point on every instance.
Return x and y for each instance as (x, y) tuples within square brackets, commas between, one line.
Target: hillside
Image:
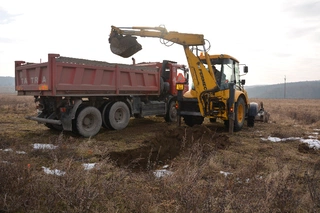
[(296, 90), (6, 84)]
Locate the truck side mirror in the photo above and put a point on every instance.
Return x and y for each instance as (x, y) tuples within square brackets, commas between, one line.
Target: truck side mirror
[(243, 82), (245, 69)]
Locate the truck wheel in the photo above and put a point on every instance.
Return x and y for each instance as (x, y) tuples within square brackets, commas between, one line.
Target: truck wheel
[(171, 115), (104, 114), (240, 114), (190, 120), (88, 121), (118, 115)]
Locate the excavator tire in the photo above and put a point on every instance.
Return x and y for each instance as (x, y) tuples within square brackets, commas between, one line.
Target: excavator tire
[(124, 46), (239, 110)]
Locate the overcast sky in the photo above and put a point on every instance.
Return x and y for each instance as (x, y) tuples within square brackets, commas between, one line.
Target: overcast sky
[(275, 38)]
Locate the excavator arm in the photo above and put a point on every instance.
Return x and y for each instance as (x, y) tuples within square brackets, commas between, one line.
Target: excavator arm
[(123, 43), (161, 32)]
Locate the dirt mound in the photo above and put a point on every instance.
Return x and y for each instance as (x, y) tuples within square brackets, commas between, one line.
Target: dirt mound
[(167, 145), (304, 148)]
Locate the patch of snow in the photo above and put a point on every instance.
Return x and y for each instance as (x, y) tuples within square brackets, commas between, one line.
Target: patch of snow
[(44, 146), (291, 139), (53, 172), (162, 173), (165, 166), (312, 143), (225, 173), (21, 152), (276, 139), (88, 166), (8, 150)]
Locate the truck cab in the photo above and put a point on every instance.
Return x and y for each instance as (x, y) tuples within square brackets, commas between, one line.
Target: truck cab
[(169, 70)]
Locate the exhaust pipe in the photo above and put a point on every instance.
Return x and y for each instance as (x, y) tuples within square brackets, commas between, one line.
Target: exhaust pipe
[(44, 120)]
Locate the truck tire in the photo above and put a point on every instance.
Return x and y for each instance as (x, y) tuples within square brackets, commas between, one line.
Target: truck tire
[(104, 114), (190, 120), (118, 115), (240, 114), (171, 115), (74, 121), (88, 121)]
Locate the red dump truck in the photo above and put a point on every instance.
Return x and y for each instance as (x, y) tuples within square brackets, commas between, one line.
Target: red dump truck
[(82, 95)]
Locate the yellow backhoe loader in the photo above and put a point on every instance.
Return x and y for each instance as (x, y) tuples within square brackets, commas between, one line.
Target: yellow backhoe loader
[(217, 90)]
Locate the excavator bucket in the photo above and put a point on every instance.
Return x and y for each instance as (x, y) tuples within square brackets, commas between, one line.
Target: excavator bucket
[(124, 46)]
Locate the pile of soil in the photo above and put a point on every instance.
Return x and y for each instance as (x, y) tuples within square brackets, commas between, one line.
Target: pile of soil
[(167, 145)]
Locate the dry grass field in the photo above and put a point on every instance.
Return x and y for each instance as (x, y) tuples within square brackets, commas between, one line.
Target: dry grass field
[(208, 170)]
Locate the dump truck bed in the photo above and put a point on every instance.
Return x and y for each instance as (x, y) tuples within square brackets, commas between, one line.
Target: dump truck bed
[(65, 76)]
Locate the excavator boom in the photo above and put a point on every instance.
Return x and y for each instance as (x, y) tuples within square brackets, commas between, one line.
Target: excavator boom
[(123, 43), (209, 97)]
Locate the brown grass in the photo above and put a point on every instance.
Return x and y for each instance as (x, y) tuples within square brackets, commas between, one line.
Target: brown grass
[(263, 176), (293, 111)]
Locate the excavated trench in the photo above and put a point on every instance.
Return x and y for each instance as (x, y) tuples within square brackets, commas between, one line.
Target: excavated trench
[(166, 146)]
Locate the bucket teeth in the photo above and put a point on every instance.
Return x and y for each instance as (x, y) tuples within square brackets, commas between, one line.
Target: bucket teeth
[(124, 46)]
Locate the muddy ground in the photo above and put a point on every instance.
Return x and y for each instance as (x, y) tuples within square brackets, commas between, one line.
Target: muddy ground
[(146, 143), (240, 172)]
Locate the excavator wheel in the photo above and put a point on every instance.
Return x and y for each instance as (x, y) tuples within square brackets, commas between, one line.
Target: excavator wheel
[(240, 109), (124, 46)]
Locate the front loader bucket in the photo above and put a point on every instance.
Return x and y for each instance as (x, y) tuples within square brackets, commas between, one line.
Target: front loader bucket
[(124, 46)]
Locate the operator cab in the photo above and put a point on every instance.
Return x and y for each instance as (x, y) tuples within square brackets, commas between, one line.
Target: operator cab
[(226, 70)]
